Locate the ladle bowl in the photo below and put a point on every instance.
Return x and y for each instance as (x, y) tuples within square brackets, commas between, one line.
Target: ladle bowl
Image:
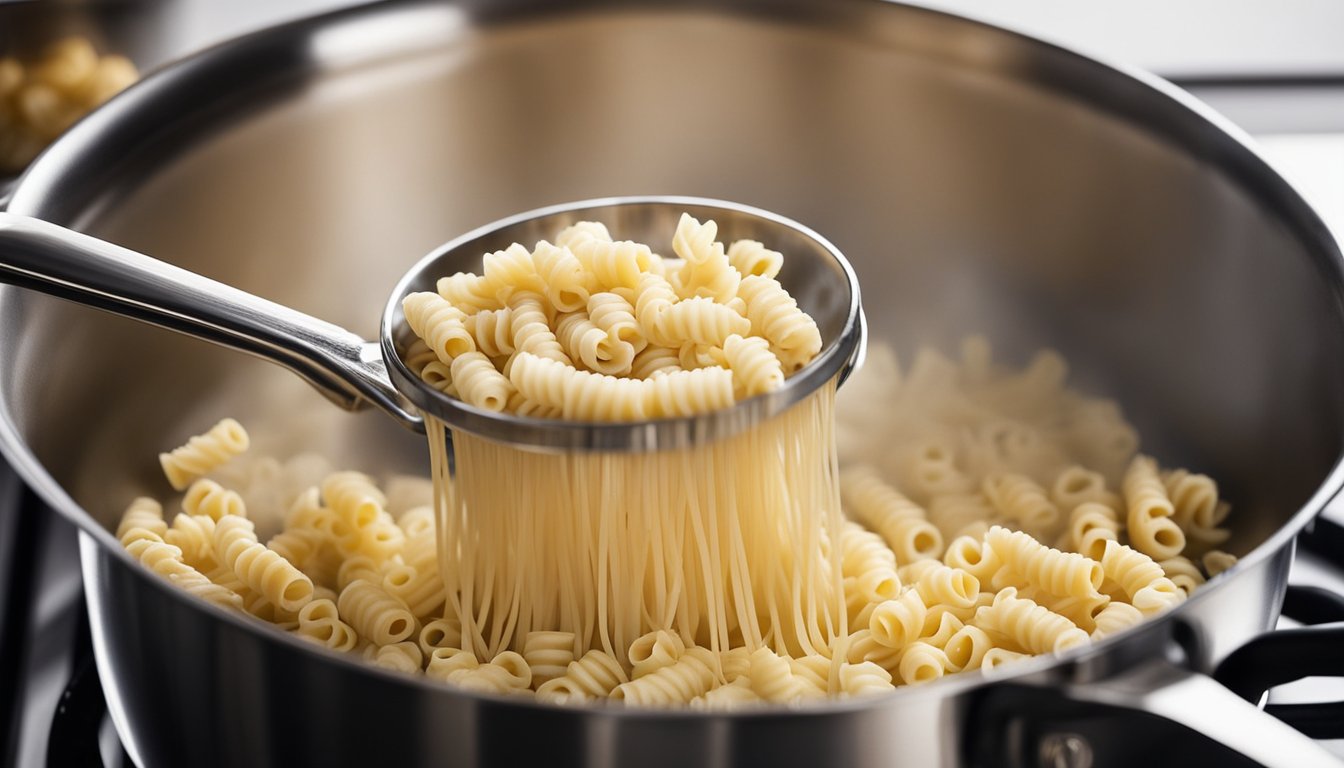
[(355, 373)]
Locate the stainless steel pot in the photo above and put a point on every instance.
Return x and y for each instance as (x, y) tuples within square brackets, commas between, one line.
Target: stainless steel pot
[(978, 180)]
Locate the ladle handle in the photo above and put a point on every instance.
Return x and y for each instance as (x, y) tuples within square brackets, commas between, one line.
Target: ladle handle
[(52, 259)]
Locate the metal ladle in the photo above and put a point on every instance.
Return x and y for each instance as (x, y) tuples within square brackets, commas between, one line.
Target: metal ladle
[(354, 373)]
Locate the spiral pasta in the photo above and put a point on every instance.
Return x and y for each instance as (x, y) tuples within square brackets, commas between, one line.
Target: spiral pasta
[(262, 570), (166, 561), (143, 519), (1151, 529), (204, 453), (902, 524), (375, 614), (439, 324), (320, 622), (595, 675), (793, 335), (653, 651), (565, 280), (1060, 573), (1030, 625), (750, 257), (755, 368), (1139, 578), (691, 675)]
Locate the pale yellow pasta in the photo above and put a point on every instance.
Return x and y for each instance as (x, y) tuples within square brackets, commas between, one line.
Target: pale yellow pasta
[(375, 614), (444, 661), (693, 356), (1151, 529), (653, 361), (755, 368), (548, 654), (415, 579), (1060, 573), (1021, 500), (996, 657), (898, 622), (418, 355), (206, 497), (947, 624), (735, 663), (591, 346), (966, 648), (509, 270), (580, 395), (613, 264), (566, 281), (731, 696), (972, 555), (143, 518), (1115, 617), (402, 657), (654, 298), (705, 269), (940, 584), (773, 679), (467, 292), (506, 673), (204, 453), (699, 320), (615, 315), (815, 669), (1091, 525), (479, 383), (262, 570), (685, 393), (440, 633), (492, 332), (922, 663), (1217, 561), (166, 561), (901, 523), (1140, 578), (1030, 625), (530, 322), (1078, 485), (320, 622), (653, 651), (593, 676), (689, 676), (439, 324), (582, 230), (195, 537), (750, 257), (865, 558), (1193, 497), (1183, 573), (774, 314), (864, 679)]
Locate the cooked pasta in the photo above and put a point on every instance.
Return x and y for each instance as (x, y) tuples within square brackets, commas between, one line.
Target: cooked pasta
[(743, 585), (204, 453), (750, 257)]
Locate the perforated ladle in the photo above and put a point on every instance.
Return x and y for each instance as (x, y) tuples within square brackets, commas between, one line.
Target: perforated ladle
[(353, 372)]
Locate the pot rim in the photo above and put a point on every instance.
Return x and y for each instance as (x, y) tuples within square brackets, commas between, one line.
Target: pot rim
[(1038, 62)]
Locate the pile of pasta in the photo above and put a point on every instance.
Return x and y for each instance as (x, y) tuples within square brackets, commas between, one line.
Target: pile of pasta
[(593, 329), (951, 519), (38, 102)]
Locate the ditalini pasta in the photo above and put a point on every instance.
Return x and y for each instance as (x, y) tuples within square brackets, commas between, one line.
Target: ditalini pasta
[(998, 515)]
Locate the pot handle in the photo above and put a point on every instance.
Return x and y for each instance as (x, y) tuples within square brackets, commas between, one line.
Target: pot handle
[(343, 366), (1064, 727)]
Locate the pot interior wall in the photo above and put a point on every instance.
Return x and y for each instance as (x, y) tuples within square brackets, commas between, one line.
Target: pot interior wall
[(968, 202)]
